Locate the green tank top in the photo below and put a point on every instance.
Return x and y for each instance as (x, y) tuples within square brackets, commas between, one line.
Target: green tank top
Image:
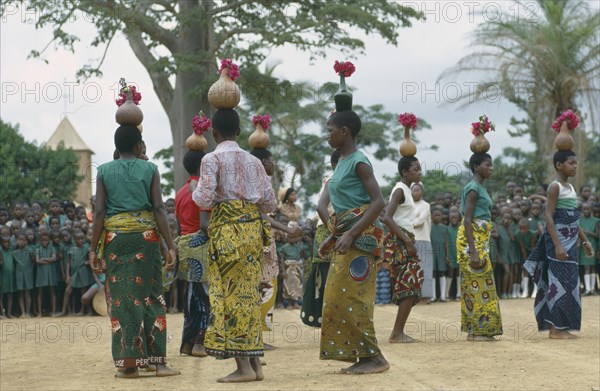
[(127, 183), (346, 190), (483, 205)]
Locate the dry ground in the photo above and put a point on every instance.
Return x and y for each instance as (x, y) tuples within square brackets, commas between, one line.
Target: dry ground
[(74, 354)]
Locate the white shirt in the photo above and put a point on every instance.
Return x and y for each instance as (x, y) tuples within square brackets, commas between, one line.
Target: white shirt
[(404, 214), (422, 221)]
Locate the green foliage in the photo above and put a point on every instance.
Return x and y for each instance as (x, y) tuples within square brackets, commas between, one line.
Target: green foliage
[(29, 172), (167, 177), (525, 168)]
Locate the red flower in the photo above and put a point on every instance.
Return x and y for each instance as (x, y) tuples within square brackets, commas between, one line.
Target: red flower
[(201, 123), (117, 303), (115, 325), (112, 256), (263, 120), (482, 127), (139, 256), (150, 236), (139, 281), (344, 68), (232, 69), (570, 117), (408, 120), (160, 323), (137, 97)]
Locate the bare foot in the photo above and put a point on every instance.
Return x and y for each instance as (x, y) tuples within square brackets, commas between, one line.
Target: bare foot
[(561, 334), (163, 370), (78, 314), (402, 338), (186, 349), (59, 314), (199, 351), (238, 376), (128, 373), (367, 365), (480, 338), (257, 368), (269, 347)]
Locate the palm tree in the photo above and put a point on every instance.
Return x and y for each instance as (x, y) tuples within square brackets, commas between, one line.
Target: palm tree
[(544, 65)]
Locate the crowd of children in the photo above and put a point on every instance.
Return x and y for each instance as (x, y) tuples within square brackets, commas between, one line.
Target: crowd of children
[(44, 266)]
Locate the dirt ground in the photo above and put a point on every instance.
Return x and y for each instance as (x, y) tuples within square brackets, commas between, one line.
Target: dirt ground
[(74, 353)]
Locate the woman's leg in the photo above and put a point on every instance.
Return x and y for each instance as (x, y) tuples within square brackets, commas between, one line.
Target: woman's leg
[(404, 308)]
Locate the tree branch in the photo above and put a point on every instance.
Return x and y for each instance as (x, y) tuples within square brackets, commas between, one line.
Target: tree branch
[(160, 80), (222, 37)]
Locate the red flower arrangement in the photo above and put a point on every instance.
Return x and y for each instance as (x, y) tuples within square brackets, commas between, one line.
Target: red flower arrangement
[(232, 69), (570, 117), (263, 120), (345, 68), (482, 127), (408, 120), (137, 97), (201, 123)]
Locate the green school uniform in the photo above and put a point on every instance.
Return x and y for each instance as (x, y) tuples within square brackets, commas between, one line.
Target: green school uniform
[(588, 224), (59, 262), (506, 247), (534, 223), (452, 234), (439, 235), (9, 284), (23, 270), (46, 274), (81, 274), (525, 241)]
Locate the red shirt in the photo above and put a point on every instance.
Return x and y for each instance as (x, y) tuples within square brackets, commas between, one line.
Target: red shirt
[(188, 213)]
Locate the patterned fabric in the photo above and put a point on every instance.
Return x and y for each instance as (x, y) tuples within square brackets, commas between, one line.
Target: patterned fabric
[(195, 315), (406, 272), (138, 221), (270, 262), (314, 293), (268, 294), (292, 279), (557, 302), (241, 176), (368, 241), (193, 257), (480, 312), (134, 280), (321, 234), (383, 294), (347, 332), (237, 236)]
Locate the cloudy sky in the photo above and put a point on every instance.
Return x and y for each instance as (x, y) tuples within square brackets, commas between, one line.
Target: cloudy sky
[(37, 95)]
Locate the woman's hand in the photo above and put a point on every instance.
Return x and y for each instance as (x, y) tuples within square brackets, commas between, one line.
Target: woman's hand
[(342, 245), (589, 251), (170, 262), (95, 263), (326, 247), (561, 254), (411, 249), (476, 262)]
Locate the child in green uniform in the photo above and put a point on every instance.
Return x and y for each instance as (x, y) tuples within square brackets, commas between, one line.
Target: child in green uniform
[(23, 275), (8, 275), (589, 225), (45, 258), (536, 221), (453, 270), (526, 241), (65, 245), (78, 269), (294, 253), (507, 254), (439, 244)]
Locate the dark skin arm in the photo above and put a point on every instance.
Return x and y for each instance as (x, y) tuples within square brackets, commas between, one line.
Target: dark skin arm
[(160, 214), (470, 201), (365, 173), (204, 219), (98, 226), (324, 201), (388, 219), (277, 225)]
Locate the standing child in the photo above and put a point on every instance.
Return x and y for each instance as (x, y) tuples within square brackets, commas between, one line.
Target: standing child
[(293, 258), (23, 275), (65, 246), (526, 241), (9, 285), (60, 268), (507, 254), (589, 226), (47, 276), (78, 269), (453, 271), (441, 261), (553, 262)]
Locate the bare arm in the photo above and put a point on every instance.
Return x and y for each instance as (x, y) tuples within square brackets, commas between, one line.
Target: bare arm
[(277, 225), (324, 201), (99, 214), (550, 207), (388, 219), (160, 215), (470, 201)]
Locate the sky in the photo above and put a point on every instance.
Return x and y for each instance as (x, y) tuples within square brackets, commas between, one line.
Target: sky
[(36, 95)]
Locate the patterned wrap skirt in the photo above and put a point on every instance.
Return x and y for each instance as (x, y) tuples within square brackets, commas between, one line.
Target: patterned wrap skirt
[(558, 302), (407, 275), (348, 332), (480, 312), (134, 279), (237, 235), (314, 289)]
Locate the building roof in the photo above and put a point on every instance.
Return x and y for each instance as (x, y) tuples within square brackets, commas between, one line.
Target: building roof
[(66, 133)]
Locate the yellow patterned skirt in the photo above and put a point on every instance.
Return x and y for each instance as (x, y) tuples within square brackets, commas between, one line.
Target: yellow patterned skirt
[(480, 312), (237, 235)]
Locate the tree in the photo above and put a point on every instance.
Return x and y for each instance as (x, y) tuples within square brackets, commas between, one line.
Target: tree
[(30, 172), (179, 41), (544, 65)]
